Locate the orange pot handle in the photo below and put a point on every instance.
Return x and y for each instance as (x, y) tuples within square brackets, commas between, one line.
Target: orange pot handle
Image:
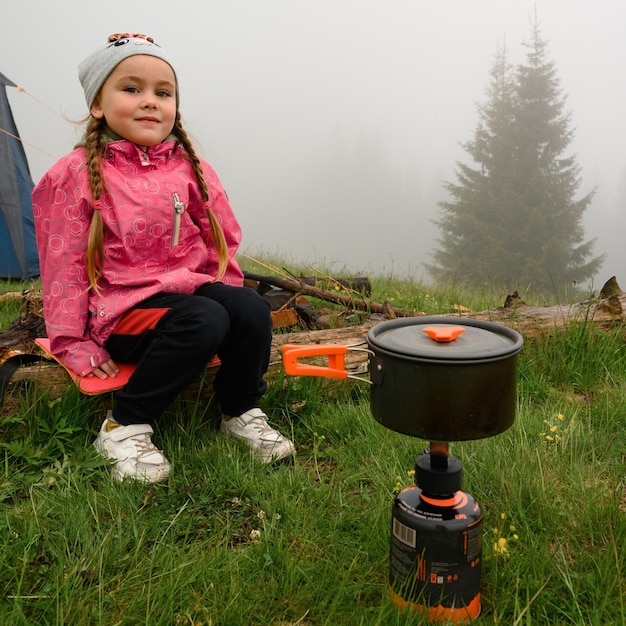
[(336, 362)]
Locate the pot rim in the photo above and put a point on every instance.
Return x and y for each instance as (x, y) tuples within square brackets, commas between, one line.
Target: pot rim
[(483, 342)]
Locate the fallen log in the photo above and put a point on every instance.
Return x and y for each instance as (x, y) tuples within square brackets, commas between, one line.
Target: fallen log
[(605, 311), (55, 381)]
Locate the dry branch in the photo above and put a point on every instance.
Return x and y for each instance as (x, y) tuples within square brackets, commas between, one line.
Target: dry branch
[(301, 287)]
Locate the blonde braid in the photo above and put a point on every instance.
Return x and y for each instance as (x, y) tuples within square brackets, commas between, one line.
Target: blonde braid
[(95, 237), (216, 230)]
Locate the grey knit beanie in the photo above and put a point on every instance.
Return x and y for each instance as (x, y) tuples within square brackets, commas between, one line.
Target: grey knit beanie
[(95, 69)]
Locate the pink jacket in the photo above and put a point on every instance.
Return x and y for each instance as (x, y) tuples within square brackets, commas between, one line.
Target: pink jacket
[(157, 238)]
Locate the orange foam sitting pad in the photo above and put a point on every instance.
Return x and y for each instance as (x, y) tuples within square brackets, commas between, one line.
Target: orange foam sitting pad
[(92, 385)]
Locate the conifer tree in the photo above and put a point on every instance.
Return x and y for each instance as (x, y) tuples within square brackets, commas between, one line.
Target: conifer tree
[(513, 220)]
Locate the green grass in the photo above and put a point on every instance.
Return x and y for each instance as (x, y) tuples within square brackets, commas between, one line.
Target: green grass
[(78, 548)]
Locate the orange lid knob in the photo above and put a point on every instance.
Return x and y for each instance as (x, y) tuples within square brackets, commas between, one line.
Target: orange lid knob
[(444, 334)]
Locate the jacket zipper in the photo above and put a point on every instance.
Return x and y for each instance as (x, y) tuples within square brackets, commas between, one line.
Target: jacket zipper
[(179, 207)]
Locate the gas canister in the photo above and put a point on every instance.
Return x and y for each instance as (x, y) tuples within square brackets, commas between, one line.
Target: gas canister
[(436, 545)]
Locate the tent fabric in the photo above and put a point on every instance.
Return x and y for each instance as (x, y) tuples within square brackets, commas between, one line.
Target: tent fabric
[(18, 248)]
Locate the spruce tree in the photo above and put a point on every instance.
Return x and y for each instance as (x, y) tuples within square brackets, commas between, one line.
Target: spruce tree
[(513, 220)]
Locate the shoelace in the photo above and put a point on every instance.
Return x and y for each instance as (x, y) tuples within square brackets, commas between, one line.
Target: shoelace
[(144, 445), (263, 428)]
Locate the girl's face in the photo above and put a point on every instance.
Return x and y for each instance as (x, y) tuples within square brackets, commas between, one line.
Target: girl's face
[(138, 100)]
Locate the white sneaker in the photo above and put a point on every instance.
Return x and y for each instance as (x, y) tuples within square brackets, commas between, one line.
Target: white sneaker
[(252, 427), (133, 451)]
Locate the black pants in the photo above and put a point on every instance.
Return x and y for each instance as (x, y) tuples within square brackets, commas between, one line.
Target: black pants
[(172, 337)]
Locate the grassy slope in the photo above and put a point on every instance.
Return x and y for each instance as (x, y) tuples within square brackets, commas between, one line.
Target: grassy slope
[(76, 548)]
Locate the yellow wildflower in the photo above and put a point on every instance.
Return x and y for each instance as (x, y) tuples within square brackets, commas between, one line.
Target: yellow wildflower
[(500, 546)]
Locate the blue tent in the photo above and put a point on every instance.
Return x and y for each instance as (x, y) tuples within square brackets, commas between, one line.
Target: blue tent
[(18, 248)]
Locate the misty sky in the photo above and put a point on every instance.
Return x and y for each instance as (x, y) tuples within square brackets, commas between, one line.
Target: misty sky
[(333, 123)]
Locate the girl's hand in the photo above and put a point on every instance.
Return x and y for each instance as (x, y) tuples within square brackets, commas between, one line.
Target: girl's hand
[(107, 370)]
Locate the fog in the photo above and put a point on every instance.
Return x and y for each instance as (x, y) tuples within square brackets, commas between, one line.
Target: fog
[(333, 123)]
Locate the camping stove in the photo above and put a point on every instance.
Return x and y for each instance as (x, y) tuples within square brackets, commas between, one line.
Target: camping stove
[(440, 379)]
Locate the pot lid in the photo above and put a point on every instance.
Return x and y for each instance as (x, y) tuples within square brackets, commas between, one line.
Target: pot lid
[(439, 338)]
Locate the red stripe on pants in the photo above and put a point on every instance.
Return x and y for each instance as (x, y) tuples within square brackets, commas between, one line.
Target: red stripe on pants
[(138, 321)]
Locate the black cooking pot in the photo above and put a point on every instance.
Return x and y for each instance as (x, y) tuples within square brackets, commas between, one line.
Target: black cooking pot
[(443, 379), (437, 378)]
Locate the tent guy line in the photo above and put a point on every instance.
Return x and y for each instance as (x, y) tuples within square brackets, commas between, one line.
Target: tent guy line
[(21, 89), (27, 143), (43, 104)]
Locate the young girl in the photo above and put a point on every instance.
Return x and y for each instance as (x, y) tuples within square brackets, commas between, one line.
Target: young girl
[(137, 247)]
